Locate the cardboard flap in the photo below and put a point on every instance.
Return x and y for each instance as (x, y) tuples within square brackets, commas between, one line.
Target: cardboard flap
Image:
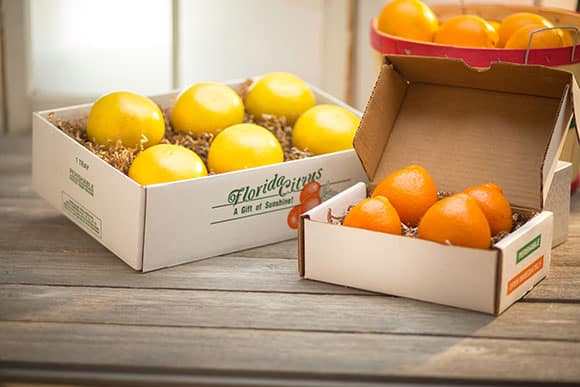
[(500, 77), (369, 145), (467, 126)]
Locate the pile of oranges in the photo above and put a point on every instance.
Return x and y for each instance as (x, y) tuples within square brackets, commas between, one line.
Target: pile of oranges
[(414, 20), (216, 111), (408, 198)]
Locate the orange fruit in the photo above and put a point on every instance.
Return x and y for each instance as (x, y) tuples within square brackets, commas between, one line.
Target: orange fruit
[(494, 24), (568, 38), (467, 31), (495, 206), (409, 19), (458, 220), (376, 214), (542, 39), (515, 21), (411, 190)]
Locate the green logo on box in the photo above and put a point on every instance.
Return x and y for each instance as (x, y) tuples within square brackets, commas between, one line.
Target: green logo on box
[(76, 178), (529, 248), (81, 214)]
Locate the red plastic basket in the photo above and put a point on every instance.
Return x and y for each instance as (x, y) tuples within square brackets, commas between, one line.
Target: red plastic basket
[(483, 57)]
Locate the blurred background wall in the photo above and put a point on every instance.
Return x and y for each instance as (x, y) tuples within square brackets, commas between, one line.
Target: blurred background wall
[(63, 52)]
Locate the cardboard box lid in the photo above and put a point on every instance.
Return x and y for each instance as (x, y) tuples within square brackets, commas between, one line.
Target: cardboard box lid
[(467, 126)]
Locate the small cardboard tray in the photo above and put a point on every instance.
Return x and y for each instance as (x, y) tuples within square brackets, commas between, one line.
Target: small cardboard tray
[(504, 124)]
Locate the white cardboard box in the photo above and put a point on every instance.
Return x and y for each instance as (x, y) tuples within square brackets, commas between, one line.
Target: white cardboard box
[(505, 124), (558, 201), (168, 224)]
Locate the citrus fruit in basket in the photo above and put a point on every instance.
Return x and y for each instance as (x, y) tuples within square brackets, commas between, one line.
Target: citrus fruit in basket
[(457, 220), (409, 19), (243, 146), (568, 37), (324, 129), (207, 107), (280, 95), (129, 117), (495, 25), (467, 31), (495, 206), (376, 214), (163, 163), (541, 39), (411, 190), (514, 22)]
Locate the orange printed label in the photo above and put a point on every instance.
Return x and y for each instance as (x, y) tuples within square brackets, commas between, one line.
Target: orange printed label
[(525, 275)]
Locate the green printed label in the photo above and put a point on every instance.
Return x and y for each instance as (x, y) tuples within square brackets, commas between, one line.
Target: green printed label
[(81, 214), (529, 248), (276, 193), (277, 185), (76, 178)]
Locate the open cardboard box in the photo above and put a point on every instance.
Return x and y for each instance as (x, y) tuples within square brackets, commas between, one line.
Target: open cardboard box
[(167, 224), (466, 126), (558, 200)]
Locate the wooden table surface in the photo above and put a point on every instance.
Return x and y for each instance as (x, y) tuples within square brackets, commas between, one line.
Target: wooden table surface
[(71, 312)]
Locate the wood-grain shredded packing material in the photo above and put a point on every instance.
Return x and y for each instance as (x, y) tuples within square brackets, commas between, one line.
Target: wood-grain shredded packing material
[(121, 157)]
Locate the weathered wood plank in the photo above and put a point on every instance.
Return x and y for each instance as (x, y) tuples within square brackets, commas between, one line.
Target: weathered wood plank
[(14, 210), (12, 164), (16, 186), (19, 384), (15, 155), (568, 253), (286, 249), (277, 325), (36, 216), (16, 144), (562, 284), (308, 312), (46, 229), (50, 232), (290, 354), (167, 378), (574, 221), (220, 273)]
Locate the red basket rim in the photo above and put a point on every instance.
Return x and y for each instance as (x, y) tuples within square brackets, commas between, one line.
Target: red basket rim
[(480, 57)]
